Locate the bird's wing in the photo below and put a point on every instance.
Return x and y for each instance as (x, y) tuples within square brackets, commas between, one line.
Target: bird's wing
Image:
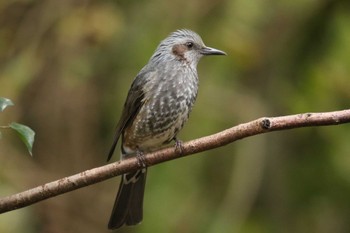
[(132, 106)]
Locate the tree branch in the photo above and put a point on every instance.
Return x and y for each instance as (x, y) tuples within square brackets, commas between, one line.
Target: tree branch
[(89, 177)]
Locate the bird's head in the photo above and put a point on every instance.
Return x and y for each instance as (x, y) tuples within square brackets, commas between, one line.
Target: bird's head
[(184, 45)]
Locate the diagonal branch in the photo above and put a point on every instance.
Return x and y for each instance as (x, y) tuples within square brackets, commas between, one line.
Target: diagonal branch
[(89, 177)]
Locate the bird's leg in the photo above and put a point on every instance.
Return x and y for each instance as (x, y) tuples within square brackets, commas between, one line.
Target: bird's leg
[(140, 158), (179, 148)]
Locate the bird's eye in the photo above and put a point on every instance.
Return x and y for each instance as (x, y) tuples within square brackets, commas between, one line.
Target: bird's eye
[(189, 45)]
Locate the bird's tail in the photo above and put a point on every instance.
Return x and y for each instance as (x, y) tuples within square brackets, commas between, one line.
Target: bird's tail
[(128, 205)]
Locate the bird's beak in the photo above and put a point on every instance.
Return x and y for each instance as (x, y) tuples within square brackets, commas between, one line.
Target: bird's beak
[(211, 51)]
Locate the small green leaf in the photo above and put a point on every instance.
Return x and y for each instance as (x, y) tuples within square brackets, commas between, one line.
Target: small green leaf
[(5, 103), (25, 133)]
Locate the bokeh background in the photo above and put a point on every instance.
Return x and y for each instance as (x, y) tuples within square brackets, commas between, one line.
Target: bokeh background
[(68, 65)]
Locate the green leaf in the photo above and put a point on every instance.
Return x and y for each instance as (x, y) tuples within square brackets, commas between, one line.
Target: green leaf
[(4, 103), (25, 133)]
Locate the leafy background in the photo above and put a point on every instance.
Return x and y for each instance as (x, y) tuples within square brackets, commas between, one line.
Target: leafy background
[(68, 66)]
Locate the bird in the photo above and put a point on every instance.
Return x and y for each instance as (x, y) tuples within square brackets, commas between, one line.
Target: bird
[(158, 104)]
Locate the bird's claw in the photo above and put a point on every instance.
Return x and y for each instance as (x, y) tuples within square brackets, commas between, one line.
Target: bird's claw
[(141, 159), (179, 148)]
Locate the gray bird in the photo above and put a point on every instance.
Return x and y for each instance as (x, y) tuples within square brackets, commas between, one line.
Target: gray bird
[(157, 106)]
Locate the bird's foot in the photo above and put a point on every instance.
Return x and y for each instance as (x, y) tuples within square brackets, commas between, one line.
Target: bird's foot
[(141, 161), (179, 148)]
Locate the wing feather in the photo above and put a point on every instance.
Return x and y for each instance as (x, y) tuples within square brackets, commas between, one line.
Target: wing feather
[(132, 106)]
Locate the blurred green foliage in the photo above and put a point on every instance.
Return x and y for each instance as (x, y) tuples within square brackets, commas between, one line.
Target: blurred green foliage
[(69, 64)]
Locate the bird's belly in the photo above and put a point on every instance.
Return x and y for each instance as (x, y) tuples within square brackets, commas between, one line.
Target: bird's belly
[(147, 135), (155, 141)]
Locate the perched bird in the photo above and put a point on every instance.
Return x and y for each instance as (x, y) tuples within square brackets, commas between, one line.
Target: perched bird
[(157, 106)]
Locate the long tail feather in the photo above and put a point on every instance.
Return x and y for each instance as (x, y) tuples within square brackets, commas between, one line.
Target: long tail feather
[(128, 206)]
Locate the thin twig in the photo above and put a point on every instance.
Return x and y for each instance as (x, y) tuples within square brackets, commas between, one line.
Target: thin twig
[(89, 177)]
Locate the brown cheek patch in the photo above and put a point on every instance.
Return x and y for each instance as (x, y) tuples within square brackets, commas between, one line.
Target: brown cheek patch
[(179, 51)]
